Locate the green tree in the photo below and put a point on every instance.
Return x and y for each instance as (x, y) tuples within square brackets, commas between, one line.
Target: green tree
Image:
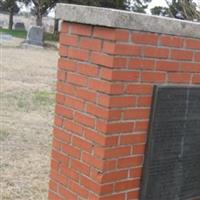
[(161, 11), (11, 7), (183, 9), (140, 5)]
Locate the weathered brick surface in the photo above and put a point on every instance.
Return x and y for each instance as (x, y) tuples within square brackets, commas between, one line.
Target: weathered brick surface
[(104, 90)]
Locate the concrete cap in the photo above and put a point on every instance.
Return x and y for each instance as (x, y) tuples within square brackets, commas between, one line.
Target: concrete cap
[(126, 20)]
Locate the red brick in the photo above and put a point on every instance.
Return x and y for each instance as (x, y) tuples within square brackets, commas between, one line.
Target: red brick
[(87, 69), (92, 160), (80, 29), (77, 79), (65, 88), (106, 189), (171, 41), (75, 103), (141, 64), (78, 54), (73, 127), (67, 194), (192, 44), (77, 189), (133, 139), (60, 98), (61, 135), (91, 44), (53, 186), (61, 179), (145, 38), (86, 94), (64, 27), (56, 144), (136, 172), (91, 185), (61, 75), (63, 51), (196, 79), (100, 85), (113, 197), (120, 62), (126, 185), (102, 59), (133, 195), (53, 196), (113, 152), (67, 64), (109, 47), (82, 143), (122, 35), (130, 162), (98, 111), (59, 156), (70, 173), (141, 125), (114, 176), (72, 151), (190, 67), (144, 101), (80, 167), (120, 101), (95, 136), (128, 50), (181, 54), (54, 165), (104, 33), (153, 77), (125, 76), (70, 40), (154, 52), (139, 89), (197, 56), (58, 121), (63, 111), (139, 149), (167, 66), (179, 78), (84, 119), (137, 113), (117, 127)]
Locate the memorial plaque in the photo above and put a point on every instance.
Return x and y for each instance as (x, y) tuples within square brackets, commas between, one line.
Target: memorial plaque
[(172, 159)]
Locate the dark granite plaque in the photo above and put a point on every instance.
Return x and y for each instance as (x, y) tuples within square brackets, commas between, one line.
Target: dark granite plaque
[(172, 159)]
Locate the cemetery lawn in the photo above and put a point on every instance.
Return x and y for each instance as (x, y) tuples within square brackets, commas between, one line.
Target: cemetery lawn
[(22, 34), (27, 96)]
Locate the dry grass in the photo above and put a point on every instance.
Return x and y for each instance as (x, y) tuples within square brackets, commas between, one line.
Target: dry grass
[(27, 90)]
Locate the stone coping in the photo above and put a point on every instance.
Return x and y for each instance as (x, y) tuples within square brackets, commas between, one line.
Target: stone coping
[(126, 20)]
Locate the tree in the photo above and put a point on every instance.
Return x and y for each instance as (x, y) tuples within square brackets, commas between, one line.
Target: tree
[(11, 7), (161, 11), (41, 8), (182, 9), (140, 5)]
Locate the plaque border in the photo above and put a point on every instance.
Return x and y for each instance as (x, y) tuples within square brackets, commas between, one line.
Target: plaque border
[(148, 153)]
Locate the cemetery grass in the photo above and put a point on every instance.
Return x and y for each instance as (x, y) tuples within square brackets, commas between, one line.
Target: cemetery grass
[(27, 96), (22, 34)]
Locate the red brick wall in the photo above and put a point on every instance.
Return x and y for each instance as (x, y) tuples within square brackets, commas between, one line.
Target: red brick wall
[(104, 90)]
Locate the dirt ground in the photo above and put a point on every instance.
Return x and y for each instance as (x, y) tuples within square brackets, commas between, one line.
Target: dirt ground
[(27, 92)]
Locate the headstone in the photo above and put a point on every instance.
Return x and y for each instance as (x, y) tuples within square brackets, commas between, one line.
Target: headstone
[(172, 160), (35, 35), (20, 26), (2, 23)]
